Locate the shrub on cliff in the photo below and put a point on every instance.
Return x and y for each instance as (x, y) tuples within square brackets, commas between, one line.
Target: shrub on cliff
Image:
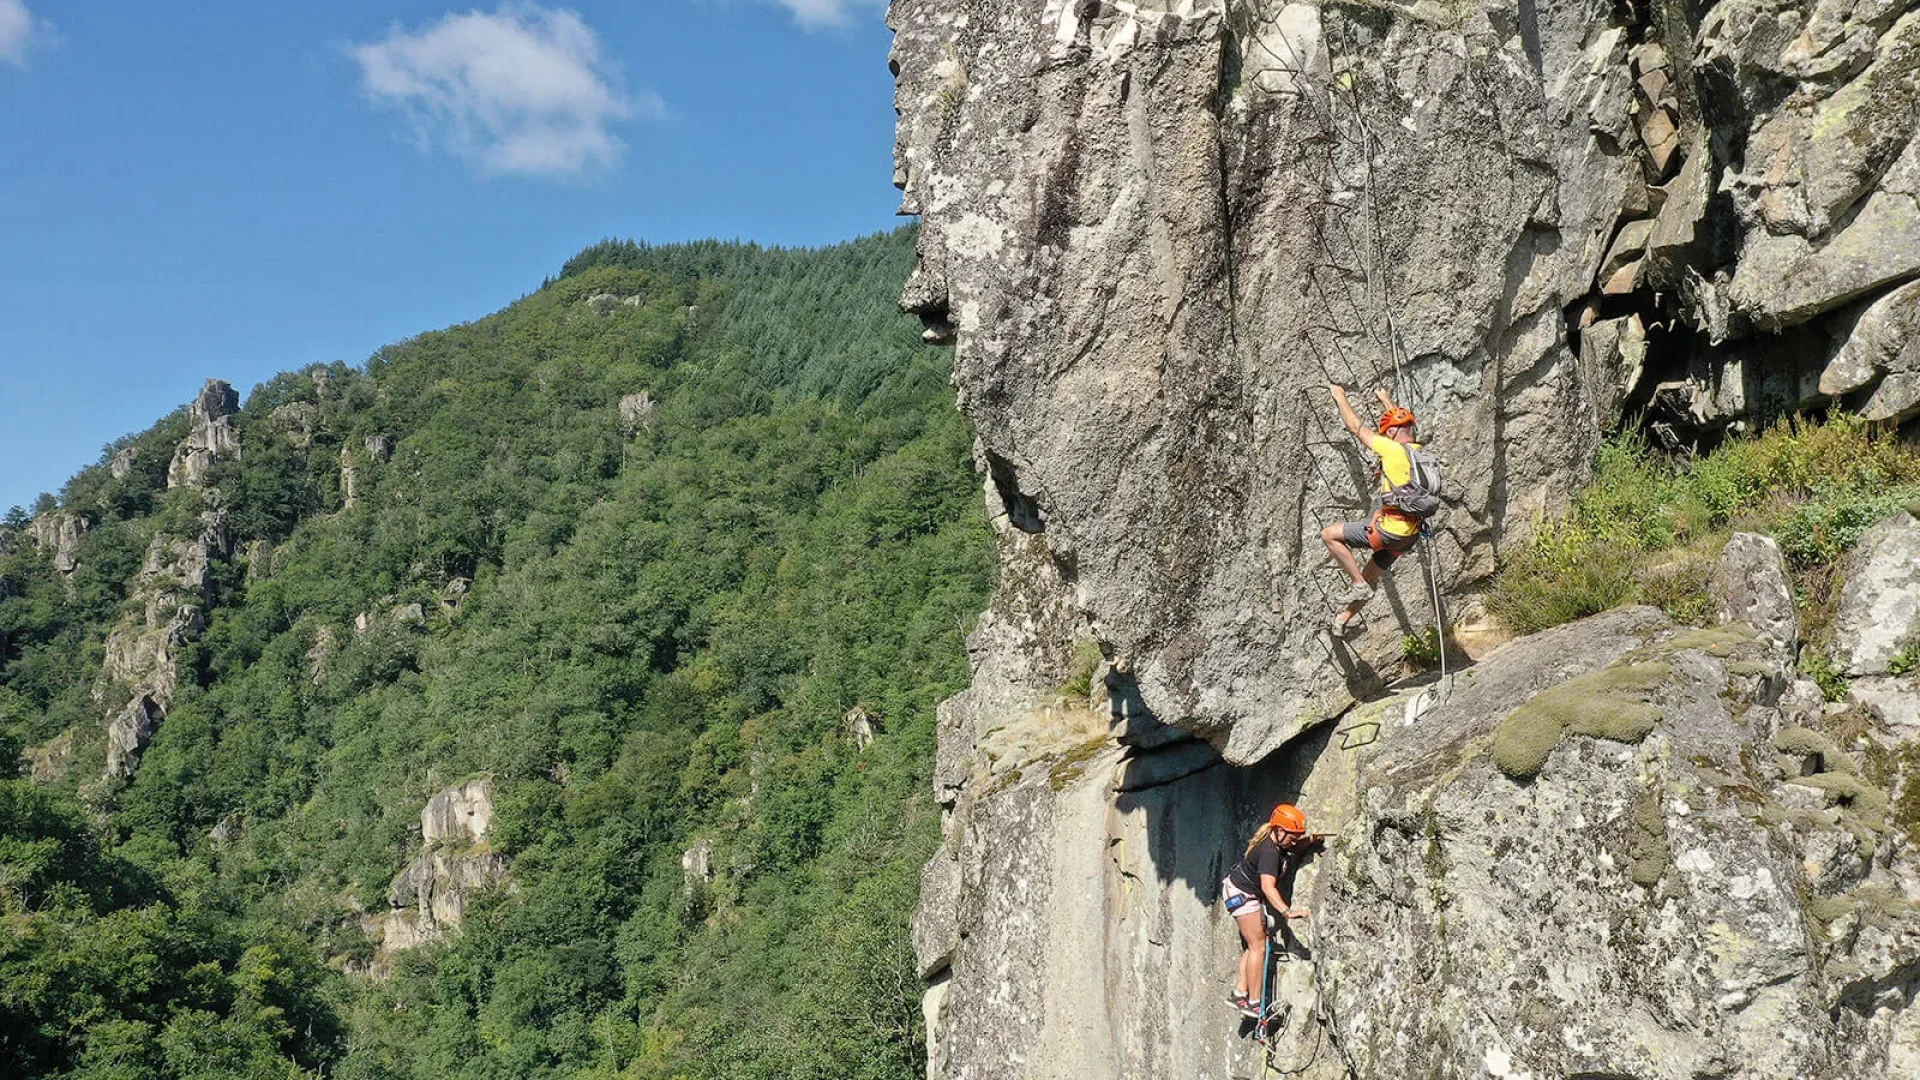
[(1648, 527)]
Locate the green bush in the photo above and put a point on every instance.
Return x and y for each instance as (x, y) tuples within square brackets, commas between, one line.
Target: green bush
[(1647, 528)]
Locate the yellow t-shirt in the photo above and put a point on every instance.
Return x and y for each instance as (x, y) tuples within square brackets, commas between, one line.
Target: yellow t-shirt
[(1396, 468)]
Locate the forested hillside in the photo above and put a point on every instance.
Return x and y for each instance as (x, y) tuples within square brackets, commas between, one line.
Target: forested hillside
[(649, 582)]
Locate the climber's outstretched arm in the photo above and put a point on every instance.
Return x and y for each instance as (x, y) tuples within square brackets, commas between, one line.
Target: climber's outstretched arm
[(1386, 402), (1355, 426)]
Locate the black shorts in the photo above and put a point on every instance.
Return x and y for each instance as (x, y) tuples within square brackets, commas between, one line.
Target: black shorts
[(1365, 536)]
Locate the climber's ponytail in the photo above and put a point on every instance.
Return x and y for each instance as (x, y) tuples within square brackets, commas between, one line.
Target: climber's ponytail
[(1266, 830)]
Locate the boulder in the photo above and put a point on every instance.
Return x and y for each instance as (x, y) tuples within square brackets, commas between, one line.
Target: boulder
[(1879, 612), (1750, 585)]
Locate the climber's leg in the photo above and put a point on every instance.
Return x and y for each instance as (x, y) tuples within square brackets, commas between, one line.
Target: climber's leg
[(1336, 537), (1254, 935)]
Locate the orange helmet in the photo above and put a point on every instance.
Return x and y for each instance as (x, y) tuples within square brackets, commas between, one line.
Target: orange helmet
[(1288, 817), (1395, 417)]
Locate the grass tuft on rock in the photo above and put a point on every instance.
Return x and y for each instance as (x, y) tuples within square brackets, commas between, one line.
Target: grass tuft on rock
[(1613, 703)]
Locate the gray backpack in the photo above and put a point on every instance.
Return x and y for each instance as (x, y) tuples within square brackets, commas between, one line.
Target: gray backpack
[(1419, 497)]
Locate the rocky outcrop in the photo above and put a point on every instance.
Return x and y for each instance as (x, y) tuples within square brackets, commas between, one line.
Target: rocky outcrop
[(298, 422), (355, 463), (211, 435), (58, 533), (637, 413), (1152, 233), (50, 761), (1879, 614), (1718, 893), (459, 815), (140, 675), (696, 863), (1617, 848), (1185, 218), (429, 896)]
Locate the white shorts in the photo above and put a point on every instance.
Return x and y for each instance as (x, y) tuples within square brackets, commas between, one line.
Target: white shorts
[(1239, 902)]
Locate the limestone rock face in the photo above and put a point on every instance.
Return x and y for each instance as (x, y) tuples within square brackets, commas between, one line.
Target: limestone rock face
[(1751, 585), (58, 532), (211, 435), (1880, 601)]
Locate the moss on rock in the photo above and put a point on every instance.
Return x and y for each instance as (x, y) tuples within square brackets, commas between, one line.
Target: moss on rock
[(1723, 641), (1612, 703), (1803, 742), (1649, 853)]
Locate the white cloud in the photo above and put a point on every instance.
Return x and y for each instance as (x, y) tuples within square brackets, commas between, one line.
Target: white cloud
[(816, 13), (20, 30), (522, 90)]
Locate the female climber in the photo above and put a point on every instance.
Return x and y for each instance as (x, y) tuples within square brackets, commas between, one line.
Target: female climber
[(1252, 886)]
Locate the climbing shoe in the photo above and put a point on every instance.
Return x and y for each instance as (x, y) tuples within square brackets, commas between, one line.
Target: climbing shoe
[(1357, 597), (1250, 1008), (1343, 624), (1238, 1001)]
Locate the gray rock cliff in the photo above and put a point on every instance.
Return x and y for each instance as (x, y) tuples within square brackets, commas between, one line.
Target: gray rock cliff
[(211, 435), (139, 675), (1153, 232)]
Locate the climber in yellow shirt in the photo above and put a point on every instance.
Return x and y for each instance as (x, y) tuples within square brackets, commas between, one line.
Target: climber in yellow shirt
[(1394, 529)]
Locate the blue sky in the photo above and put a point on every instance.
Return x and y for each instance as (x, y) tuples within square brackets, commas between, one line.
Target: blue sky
[(233, 189)]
